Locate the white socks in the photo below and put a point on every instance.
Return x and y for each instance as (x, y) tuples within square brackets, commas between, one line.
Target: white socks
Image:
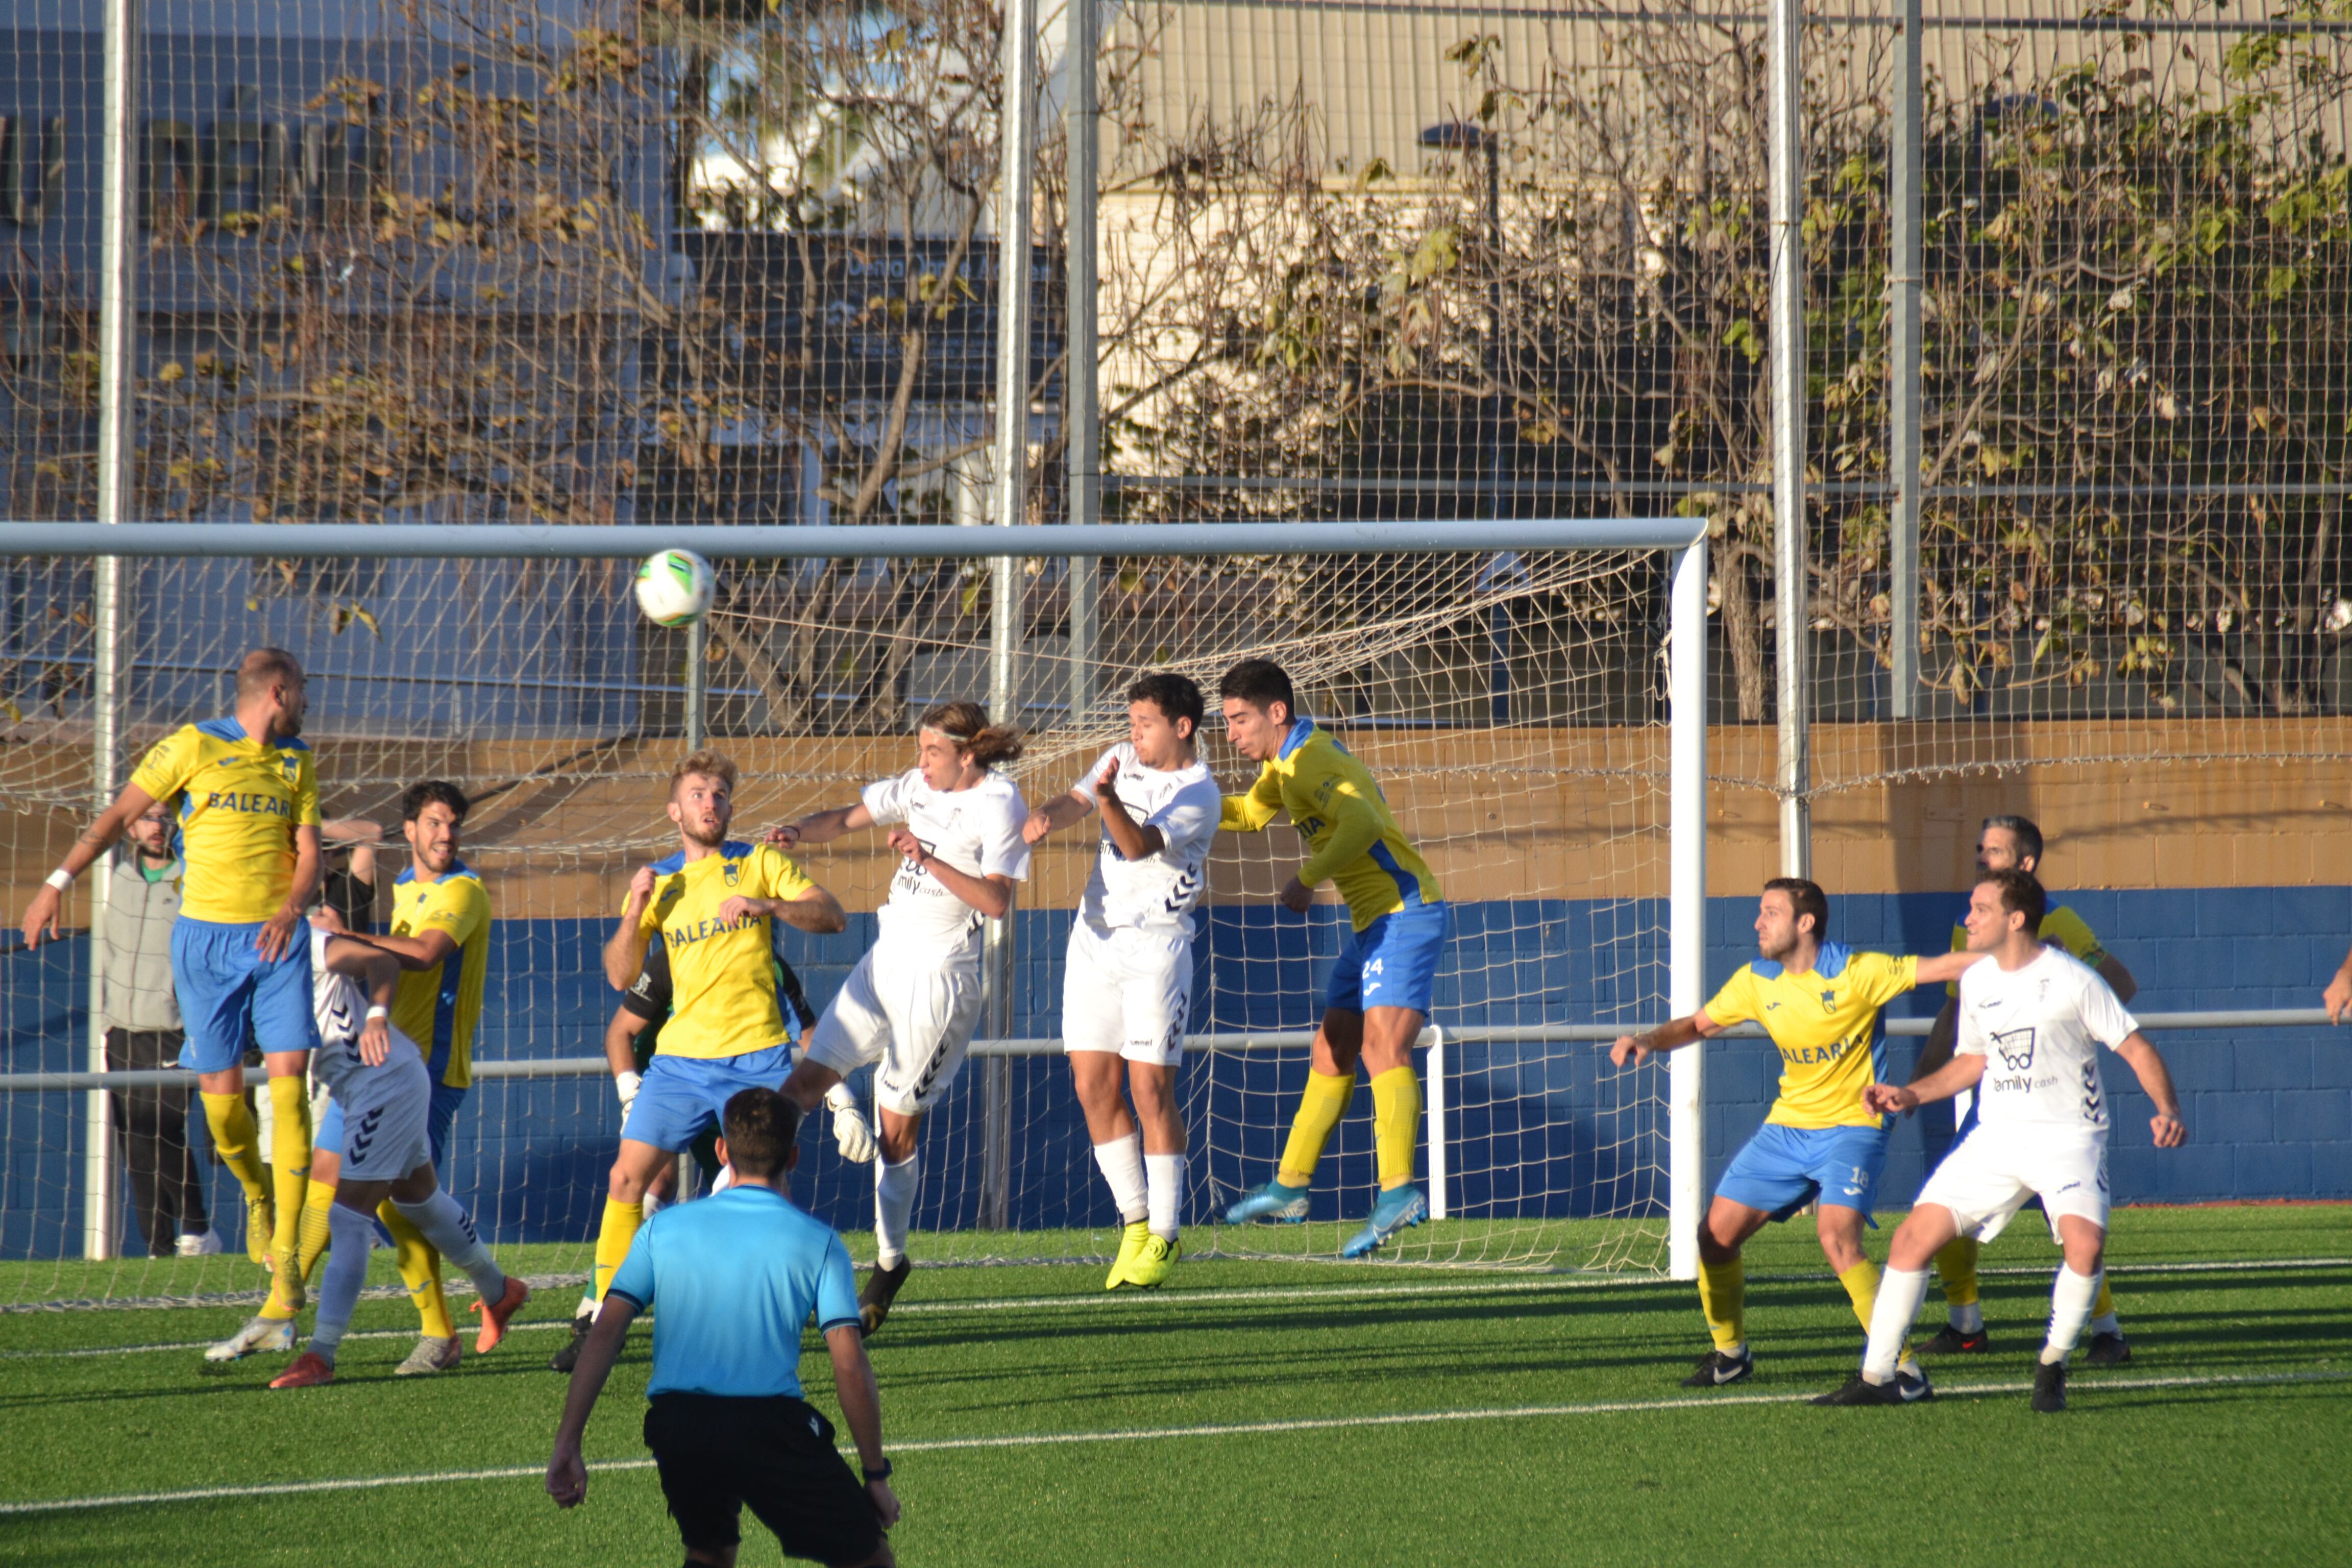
[(1969, 1319), (1121, 1160), (1900, 1291), (2070, 1299), (353, 1234), (1164, 1179), (2110, 1325), (442, 1221), (894, 1207)]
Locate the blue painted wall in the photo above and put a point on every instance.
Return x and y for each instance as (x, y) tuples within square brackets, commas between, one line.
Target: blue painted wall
[(1536, 1128)]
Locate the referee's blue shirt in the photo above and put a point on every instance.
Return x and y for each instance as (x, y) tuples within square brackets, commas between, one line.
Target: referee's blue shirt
[(731, 1279)]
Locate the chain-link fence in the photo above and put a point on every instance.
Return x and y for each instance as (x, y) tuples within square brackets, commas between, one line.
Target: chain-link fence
[(591, 261)]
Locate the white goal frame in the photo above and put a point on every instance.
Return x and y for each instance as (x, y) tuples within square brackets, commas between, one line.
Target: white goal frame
[(1685, 539)]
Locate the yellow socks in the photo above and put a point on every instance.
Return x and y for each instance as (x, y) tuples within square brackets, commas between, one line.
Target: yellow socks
[(290, 1166), (236, 1138), (2104, 1307), (1860, 1283), (317, 1223), (238, 1143), (312, 1227), (420, 1270), (1955, 1266), (1396, 1124), (1319, 1110), (1723, 1297), (613, 1239)]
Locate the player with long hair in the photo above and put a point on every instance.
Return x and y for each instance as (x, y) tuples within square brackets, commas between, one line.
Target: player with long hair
[(913, 1000)]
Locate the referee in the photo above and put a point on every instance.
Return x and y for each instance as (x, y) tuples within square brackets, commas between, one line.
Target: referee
[(735, 1276)]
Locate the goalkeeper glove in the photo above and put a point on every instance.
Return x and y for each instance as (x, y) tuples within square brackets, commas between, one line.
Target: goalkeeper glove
[(849, 1128), (625, 1084)]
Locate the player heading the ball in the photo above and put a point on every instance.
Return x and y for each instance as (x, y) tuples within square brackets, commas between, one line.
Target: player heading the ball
[(2032, 1023), (713, 905), (1820, 1002), (245, 798), (1127, 988), (913, 1000), (1377, 995)]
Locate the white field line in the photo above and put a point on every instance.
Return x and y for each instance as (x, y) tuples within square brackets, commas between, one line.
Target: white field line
[(1271, 1294), (1450, 1274), (1161, 1433)]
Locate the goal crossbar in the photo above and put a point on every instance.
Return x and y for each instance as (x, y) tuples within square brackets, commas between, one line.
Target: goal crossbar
[(591, 542)]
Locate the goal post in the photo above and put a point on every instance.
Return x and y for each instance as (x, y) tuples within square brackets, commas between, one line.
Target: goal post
[(1565, 656)]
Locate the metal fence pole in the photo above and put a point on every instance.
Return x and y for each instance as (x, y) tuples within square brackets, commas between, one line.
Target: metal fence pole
[(1017, 130), (118, 347), (1786, 177), (1905, 410), (1686, 907), (1080, 392), (698, 685)]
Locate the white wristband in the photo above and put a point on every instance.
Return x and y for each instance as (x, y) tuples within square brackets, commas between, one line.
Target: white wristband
[(60, 879), (375, 1013)]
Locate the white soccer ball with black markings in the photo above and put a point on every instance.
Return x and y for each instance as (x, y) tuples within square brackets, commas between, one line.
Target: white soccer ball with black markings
[(674, 588)]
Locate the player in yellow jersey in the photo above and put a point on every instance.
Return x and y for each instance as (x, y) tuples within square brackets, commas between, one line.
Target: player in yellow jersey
[(2012, 844), (1820, 1002), (1378, 996), (245, 796), (712, 905)]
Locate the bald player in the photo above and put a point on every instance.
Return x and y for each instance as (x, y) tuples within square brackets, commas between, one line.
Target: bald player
[(244, 795)]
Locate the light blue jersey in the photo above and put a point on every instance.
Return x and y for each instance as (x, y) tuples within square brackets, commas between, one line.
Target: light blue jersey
[(731, 1279)]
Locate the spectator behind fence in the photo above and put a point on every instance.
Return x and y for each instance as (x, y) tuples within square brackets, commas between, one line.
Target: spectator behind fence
[(143, 1033)]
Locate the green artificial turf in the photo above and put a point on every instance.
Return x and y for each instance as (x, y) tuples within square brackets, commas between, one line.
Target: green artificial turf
[(2150, 1467)]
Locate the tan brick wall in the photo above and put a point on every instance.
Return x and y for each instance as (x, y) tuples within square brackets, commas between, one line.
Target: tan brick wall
[(1508, 814)]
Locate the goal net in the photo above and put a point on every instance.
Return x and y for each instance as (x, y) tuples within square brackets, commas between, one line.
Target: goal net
[(1513, 704)]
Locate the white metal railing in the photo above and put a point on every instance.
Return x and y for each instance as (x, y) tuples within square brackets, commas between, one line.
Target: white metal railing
[(1434, 1040)]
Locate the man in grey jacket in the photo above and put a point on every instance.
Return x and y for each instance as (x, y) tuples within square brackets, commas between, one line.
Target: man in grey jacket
[(142, 1032)]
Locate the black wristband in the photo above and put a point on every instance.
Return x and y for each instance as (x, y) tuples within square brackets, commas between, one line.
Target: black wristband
[(881, 1475)]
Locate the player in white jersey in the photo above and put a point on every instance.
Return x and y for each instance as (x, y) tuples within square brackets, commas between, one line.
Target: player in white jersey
[(913, 1000), (2032, 1023), (1127, 988), (378, 1077)]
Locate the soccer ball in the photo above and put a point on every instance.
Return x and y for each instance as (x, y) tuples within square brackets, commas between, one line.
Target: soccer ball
[(674, 588)]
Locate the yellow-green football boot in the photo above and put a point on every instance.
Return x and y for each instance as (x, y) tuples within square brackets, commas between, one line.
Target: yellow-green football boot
[(1130, 1247), (1154, 1264)]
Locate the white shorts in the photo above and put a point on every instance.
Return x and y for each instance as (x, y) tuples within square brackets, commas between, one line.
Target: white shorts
[(914, 1018), (386, 1121), (1128, 991), (1994, 1170)]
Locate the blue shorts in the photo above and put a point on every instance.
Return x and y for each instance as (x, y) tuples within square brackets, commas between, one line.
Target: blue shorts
[(1391, 963), (226, 994), (1782, 1169), (446, 1099), (681, 1097)]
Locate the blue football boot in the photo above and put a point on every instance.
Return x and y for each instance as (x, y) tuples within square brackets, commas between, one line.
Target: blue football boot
[(1397, 1209), (1272, 1203)]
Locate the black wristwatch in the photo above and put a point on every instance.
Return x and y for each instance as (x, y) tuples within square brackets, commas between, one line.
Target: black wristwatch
[(873, 1475)]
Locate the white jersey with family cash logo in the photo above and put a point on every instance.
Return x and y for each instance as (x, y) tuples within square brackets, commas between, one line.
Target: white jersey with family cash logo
[(975, 830), (1161, 890), (2040, 1029)]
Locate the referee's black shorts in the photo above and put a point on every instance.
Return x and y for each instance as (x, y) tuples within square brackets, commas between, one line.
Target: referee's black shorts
[(717, 1455)]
